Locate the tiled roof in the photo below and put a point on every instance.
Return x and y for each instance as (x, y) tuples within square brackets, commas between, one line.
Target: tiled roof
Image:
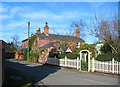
[(48, 45), (59, 37)]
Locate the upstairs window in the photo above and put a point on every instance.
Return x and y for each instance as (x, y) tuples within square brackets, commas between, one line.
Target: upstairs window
[(78, 45)]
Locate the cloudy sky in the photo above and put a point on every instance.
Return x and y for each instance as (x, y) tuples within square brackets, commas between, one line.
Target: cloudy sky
[(59, 16)]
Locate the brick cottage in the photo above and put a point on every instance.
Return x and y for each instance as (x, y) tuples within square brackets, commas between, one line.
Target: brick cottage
[(48, 41)]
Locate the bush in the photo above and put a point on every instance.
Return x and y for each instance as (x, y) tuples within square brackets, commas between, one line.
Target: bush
[(106, 48), (84, 66), (51, 54), (25, 54), (69, 55), (89, 47), (108, 57), (33, 56)]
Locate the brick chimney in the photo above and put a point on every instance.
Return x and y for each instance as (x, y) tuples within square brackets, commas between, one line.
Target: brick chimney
[(46, 29), (38, 30), (78, 33)]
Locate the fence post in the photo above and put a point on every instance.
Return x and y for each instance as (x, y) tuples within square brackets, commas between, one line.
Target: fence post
[(113, 65), (89, 62), (55, 61), (80, 64), (77, 63), (93, 66), (65, 61)]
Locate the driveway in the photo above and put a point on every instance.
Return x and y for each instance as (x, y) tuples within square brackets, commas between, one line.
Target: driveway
[(50, 75)]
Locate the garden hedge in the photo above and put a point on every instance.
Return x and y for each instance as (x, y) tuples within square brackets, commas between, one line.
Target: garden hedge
[(108, 57), (69, 55)]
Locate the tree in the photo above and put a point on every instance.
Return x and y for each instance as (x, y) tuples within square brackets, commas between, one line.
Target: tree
[(79, 25), (11, 47), (106, 48), (16, 42), (91, 48), (105, 28)]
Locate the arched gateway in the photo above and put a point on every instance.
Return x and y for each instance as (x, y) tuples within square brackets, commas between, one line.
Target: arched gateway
[(89, 53)]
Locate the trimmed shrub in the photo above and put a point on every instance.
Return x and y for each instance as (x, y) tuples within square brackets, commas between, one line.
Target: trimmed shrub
[(69, 55), (108, 57)]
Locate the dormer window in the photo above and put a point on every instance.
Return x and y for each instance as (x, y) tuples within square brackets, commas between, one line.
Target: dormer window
[(78, 45)]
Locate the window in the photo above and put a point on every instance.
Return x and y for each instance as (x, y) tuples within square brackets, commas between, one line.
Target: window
[(78, 45)]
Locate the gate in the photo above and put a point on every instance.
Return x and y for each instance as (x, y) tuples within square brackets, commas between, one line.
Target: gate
[(85, 62)]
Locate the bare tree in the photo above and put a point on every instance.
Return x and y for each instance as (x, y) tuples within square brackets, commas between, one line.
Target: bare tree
[(105, 27), (79, 25), (16, 42)]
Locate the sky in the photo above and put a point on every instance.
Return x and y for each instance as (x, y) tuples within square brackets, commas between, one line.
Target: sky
[(59, 15)]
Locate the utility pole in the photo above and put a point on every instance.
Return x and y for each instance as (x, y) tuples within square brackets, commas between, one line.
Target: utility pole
[(28, 41)]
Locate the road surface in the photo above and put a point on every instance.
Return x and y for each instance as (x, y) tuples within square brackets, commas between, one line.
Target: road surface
[(50, 75)]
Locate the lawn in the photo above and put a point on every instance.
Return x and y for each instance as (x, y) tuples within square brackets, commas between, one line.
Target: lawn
[(13, 78)]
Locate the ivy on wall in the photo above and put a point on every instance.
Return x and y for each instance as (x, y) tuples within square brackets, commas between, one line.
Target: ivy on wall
[(32, 40), (25, 54)]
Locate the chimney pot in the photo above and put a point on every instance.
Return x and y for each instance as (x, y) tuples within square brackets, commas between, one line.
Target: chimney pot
[(38, 30), (78, 33), (46, 29)]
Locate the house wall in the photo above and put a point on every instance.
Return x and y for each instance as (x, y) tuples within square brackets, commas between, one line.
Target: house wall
[(24, 43), (3, 45), (19, 56), (83, 43), (41, 42), (3, 68)]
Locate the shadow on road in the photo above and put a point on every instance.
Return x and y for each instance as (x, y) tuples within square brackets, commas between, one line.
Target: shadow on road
[(34, 72)]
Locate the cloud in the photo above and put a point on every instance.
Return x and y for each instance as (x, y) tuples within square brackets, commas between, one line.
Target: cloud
[(48, 15), (8, 12), (14, 25), (4, 8), (96, 4), (41, 15)]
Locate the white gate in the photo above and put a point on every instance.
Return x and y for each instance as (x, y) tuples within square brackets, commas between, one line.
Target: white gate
[(89, 54)]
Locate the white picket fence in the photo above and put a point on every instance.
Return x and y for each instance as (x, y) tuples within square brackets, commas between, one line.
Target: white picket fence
[(73, 63), (106, 67)]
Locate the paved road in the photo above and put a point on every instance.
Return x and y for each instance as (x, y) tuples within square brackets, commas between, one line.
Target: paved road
[(49, 75)]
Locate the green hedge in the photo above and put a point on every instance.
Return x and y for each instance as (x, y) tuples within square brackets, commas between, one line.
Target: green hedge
[(108, 57), (69, 55)]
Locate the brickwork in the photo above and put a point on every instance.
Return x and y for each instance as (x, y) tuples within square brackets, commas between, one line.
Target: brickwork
[(77, 33), (19, 56), (24, 43), (46, 29), (42, 41)]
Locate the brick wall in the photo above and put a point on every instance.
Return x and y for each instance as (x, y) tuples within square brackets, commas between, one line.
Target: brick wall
[(19, 56), (83, 43), (24, 43)]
